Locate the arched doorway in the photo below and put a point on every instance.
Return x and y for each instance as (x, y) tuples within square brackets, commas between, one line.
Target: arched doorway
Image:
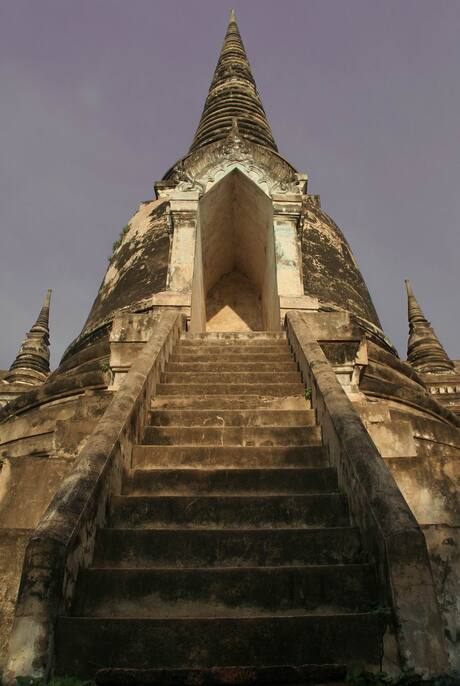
[(234, 279)]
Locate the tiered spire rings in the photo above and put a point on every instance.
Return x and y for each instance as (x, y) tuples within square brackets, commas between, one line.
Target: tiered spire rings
[(32, 363), (424, 351), (233, 93)]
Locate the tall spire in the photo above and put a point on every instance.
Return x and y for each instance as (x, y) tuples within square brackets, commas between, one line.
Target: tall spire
[(233, 93), (32, 363), (424, 351)]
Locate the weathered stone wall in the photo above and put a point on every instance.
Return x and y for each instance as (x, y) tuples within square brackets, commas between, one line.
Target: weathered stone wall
[(138, 266), (390, 531), (64, 538), (12, 547), (444, 546), (38, 446), (419, 441), (330, 271)]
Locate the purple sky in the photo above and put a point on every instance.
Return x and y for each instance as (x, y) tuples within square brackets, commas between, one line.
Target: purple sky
[(100, 97)]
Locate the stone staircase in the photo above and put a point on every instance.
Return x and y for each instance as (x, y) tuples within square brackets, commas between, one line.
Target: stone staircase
[(229, 557)]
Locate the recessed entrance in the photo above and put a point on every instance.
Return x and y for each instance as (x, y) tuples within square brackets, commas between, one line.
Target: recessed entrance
[(234, 279), (233, 304)]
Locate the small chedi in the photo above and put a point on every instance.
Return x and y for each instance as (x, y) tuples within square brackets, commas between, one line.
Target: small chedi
[(231, 477)]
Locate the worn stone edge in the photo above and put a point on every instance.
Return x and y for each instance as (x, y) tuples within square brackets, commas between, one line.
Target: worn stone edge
[(64, 532), (390, 531)]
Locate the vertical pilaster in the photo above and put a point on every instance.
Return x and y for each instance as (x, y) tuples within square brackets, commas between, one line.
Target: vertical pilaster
[(184, 217), (286, 213)]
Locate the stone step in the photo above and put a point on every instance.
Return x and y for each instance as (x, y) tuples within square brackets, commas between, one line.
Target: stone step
[(228, 418), (236, 481), (254, 343), (279, 675), (193, 356), (235, 389), (225, 591), (308, 510), (185, 548), (230, 377), (84, 645), (245, 367), (250, 336), (204, 348), (232, 435), (171, 456), (225, 402), (215, 354)]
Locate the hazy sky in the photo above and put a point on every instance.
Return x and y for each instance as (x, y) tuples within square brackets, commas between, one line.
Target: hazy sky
[(99, 97)]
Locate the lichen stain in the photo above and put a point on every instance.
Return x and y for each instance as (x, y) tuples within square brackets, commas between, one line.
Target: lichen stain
[(330, 270), (138, 267), (5, 475)]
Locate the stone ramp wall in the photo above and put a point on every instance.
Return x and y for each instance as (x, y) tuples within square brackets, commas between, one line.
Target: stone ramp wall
[(13, 543), (63, 541), (390, 532)]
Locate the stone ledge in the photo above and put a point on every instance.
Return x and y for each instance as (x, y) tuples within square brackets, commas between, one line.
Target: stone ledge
[(63, 541), (390, 532)]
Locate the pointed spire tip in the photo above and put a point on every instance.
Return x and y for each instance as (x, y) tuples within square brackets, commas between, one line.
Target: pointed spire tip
[(32, 363), (233, 89), (424, 349)]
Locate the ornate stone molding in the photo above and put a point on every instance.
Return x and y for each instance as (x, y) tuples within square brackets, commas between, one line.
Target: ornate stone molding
[(206, 166)]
